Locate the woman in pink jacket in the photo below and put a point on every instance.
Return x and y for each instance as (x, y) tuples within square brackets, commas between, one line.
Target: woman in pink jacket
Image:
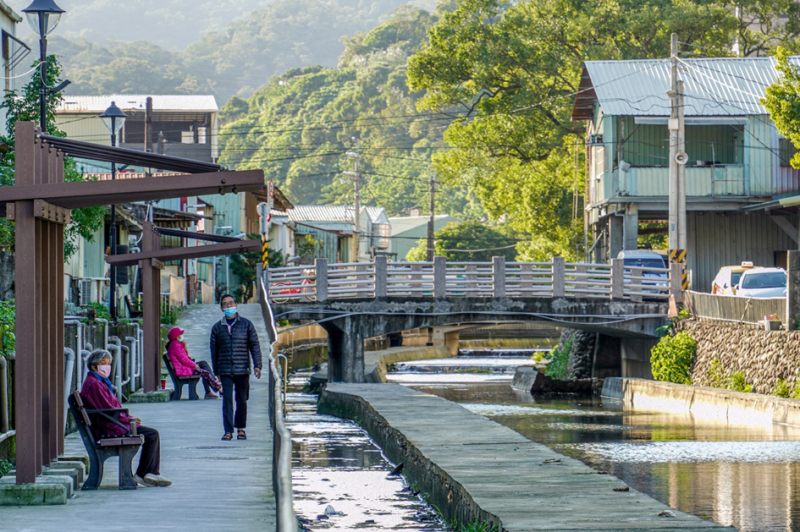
[(185, 366)]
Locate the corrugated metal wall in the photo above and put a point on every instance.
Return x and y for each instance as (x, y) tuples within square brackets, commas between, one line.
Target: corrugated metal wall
[(648, 144), (759, 136), (654, 181), (717, 240)]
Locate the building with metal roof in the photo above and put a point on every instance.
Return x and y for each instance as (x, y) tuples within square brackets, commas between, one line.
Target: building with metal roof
[(737, 159), (339, 220)]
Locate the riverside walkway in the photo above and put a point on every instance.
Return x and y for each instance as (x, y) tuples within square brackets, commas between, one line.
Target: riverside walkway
[(217, 486), (472, 468)]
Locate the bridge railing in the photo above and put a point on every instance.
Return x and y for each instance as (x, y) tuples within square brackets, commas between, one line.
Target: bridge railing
[(557, 278)]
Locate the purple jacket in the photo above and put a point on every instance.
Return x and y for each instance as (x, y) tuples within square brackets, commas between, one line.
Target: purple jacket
[(96, 396)]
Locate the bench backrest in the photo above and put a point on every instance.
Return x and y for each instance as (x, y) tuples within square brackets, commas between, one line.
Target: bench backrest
[(82, 419), (168, 363)]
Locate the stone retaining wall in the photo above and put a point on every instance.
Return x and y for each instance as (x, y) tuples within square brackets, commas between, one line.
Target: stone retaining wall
[(764, 356)]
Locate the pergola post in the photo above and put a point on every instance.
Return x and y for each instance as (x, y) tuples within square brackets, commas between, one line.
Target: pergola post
[(39, 322), (151, 308)]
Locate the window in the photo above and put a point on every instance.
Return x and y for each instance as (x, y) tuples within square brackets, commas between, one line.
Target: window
[(764, 280)]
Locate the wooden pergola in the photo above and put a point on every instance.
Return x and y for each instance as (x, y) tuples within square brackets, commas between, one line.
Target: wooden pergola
[(40, 203), (151, 260)]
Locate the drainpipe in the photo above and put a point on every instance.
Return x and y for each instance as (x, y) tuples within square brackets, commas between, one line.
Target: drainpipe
[(84, 369), (126, 352), (116, 352), (69, 354), (78, 343), (105, 332), (5, 420), (132, 360)]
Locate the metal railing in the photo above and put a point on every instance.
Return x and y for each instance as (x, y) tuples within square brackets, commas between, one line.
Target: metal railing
[(281, 437), (730, 310), (6, 397), (384, 279)]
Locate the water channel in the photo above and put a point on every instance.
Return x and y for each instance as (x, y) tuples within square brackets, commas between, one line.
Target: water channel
[(742, 476)]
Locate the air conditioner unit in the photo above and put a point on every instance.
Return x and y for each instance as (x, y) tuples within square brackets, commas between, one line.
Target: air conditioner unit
[(88, 291)]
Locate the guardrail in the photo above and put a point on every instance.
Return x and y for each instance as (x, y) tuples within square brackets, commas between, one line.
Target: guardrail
[(439, 279), (730, 310), (281, 437)]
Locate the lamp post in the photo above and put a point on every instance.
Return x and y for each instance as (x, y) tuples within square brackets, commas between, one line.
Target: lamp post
[(113, 119), (43, 16)]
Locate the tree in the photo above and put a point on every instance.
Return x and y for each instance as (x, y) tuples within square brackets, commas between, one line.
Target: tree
[(510, 70), (24, 106), (469, 241), (783, 101)]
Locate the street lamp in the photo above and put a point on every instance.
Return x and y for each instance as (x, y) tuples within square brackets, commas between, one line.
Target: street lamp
[(113, 118), (44, 16)]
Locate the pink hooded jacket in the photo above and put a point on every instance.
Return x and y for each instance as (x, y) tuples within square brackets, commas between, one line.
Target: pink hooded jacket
[(184, 366)]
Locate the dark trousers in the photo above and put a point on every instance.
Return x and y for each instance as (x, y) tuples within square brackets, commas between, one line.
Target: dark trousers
[(150, 461), (238, 387), (204, 365)]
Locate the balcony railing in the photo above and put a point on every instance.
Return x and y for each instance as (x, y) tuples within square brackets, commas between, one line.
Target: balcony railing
[(653, 181)]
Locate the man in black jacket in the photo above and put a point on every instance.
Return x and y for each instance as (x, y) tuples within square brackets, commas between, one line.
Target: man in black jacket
[(234, 342)]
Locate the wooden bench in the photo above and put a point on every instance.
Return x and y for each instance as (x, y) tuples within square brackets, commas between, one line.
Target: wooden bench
[(101, 450), (178, 382)]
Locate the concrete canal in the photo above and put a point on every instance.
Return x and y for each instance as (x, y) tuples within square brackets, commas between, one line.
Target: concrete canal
[(341, 479), (742, 476)]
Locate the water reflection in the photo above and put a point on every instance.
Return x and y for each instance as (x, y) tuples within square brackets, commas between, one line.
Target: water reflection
[(335, 464), (743, 476)]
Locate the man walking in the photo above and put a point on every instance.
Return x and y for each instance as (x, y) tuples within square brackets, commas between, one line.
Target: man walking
[(234, 342)]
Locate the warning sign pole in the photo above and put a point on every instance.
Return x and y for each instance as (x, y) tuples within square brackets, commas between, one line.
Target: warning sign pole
[(265, 215), (678, 256)]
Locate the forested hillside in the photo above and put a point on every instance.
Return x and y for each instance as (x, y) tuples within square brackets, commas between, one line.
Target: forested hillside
[(300, 125), (238, 60)]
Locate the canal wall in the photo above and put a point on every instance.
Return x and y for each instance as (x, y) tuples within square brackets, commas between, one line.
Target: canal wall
[(473, 469), (765, 357), (702, 403), (376, 363)]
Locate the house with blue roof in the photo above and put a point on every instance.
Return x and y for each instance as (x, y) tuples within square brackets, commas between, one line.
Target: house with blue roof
[(738, 177)]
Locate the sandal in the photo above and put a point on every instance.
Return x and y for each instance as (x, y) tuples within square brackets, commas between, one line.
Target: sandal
[(227, 436), (241, 435)]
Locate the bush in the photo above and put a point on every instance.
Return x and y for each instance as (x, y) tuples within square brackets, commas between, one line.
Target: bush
[(5, 467), (101, 311), (782, 389), (736, 381), (7, 337), (559, 359), (672, 358)]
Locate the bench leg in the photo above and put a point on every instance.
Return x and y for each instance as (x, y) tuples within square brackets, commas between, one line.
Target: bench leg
[(96, 463), (126, 455), (178, 391), (193, 390)]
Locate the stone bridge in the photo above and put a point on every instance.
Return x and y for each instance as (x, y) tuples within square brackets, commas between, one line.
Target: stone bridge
[(357, 301)]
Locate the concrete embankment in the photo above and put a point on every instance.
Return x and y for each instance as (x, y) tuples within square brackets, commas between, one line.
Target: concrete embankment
[(473, 469), (710, 404)]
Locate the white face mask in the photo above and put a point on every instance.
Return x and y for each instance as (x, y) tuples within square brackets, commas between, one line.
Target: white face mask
[(180, 338)]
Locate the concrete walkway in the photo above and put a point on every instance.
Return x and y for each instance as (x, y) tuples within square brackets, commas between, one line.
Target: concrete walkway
[(472, 468), (217, 486)]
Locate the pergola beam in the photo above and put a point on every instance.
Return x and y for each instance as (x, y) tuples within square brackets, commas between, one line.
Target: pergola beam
[(99, 193), (196, 252)]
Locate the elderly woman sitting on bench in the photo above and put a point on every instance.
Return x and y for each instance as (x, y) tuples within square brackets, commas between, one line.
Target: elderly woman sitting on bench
[(98, 393)]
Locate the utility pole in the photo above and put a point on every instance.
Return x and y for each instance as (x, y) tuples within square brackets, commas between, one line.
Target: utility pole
[(677, 155), (148, 125), (429, 254), (356, 155)]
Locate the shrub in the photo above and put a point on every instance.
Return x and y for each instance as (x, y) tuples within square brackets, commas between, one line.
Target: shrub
[(672, 358), (559, 359), (7, 337), (100, 310), (781, 389), (736, 381), (5, 467)]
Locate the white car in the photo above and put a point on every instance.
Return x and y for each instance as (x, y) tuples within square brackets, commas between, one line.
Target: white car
[(762, 282)]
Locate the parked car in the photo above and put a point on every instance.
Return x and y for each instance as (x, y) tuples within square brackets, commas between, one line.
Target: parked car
[(647, 259), (762, 282), (724, 284)]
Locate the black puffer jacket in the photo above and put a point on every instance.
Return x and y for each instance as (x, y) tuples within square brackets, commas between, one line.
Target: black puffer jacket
[(233, 345)]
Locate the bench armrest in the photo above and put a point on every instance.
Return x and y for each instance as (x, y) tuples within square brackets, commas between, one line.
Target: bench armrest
[(104, 412), (108, 410)]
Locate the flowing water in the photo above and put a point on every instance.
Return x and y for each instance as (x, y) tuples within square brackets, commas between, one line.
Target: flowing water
[(736, 475), (340, 478)]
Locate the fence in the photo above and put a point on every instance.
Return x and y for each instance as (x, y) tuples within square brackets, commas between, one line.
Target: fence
[(557, 278), (731, 309), (281, 438), (6, 405)]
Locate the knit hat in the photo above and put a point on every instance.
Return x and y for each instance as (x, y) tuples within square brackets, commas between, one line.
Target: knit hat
[(174, 333)]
